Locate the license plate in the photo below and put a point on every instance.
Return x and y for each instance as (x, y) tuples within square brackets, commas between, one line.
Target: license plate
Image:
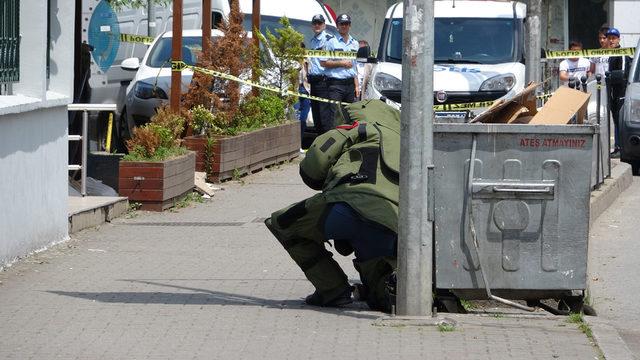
[(455, 115)]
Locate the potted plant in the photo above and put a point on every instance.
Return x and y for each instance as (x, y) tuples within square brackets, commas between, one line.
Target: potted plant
[(238, 132), (157, 172)]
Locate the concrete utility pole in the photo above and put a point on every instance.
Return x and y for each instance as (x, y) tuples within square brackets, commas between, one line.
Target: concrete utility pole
[(151, 18), (534, 12), (176, 55), (415, 227), (206, 24)]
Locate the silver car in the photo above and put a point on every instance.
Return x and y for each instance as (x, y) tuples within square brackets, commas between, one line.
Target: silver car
[(630, 118), (151, 86)]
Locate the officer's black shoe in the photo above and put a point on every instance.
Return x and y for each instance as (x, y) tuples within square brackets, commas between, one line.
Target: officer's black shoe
[(316, 299)]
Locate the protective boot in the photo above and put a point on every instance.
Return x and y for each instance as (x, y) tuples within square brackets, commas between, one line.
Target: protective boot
[(318, 266), (378, 278), (317, 299)]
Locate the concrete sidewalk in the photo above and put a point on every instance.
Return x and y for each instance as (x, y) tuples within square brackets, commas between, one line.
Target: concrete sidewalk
[(614, 269), (210, 282)]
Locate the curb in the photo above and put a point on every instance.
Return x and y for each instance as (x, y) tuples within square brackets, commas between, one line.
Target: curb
[(621, 178), (92, 211), (608, 340)]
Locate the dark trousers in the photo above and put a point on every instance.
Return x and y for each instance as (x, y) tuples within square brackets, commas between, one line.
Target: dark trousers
[(303, 228), (615, 105), (375, 249), (344, 91), (321, 111), (303, 106)]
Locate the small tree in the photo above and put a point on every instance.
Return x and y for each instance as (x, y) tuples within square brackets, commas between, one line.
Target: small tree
[(283, 66), (231, 55), (199, 93)]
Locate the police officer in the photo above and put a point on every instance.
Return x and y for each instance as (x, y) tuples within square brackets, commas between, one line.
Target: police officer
[(316, 76), (356, 167), (617, 87), (342, 74)]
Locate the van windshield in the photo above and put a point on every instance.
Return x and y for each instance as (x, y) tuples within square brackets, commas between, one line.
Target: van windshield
[(160, 55), (273, 22), (462, 40)]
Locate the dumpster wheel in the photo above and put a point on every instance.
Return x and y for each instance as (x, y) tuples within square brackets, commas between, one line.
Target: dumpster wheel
[(575, 304), (446, 301), (567, 305)]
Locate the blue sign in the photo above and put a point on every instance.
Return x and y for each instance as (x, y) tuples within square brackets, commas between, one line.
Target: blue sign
[(104, 35)]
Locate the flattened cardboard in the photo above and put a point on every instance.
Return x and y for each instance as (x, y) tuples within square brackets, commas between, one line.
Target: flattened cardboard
[(563, 106), (507, 111)]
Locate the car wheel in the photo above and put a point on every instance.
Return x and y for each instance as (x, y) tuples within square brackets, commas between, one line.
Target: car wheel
[(635, 167)]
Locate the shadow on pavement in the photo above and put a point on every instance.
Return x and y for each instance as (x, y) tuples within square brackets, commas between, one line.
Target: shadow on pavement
[(198, 296)]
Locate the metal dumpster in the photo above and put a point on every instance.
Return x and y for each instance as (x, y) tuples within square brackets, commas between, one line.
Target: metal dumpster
[(527, 203)]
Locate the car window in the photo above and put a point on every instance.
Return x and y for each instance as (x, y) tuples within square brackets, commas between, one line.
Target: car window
[(477, 40), (160, 55), (273, 22)]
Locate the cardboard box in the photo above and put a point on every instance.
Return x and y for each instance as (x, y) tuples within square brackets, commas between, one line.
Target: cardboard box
[(523, 105), (565, 106)]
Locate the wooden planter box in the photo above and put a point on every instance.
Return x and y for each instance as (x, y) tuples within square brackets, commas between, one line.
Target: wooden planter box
[(157, 185), (249, 152)]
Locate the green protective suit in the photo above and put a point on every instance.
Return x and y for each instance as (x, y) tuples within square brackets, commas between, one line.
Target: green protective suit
[(357, 164)]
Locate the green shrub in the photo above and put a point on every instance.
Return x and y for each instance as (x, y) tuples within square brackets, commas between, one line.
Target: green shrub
[(157, 140), (203, 119), (254, 112)]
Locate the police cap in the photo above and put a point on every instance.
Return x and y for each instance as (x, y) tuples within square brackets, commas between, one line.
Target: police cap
[(343, 19), (317, 19)]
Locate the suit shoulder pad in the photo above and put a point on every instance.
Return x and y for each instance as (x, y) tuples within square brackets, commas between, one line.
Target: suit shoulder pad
[(348, 126)]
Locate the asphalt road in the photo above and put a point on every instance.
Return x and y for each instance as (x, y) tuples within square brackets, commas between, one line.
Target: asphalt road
[(615, 266)]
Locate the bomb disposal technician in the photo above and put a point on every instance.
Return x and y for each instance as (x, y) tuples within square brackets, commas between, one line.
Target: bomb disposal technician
[(356, 168)]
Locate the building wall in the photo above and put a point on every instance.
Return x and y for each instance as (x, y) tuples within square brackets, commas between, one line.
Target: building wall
[(33, 174), (367, 17), (33, 133), (625, 16)]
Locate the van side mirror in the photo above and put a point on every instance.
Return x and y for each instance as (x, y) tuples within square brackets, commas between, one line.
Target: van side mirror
[(130, 64), (364, 55)]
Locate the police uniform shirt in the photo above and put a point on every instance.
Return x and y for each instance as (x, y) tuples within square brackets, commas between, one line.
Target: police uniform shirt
[(338, 44), (318, 42)]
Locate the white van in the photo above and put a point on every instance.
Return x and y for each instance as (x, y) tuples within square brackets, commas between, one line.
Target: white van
[(479, 54)]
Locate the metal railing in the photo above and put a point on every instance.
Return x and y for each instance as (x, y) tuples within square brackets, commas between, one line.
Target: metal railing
[(85, 108), (9, 42)]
